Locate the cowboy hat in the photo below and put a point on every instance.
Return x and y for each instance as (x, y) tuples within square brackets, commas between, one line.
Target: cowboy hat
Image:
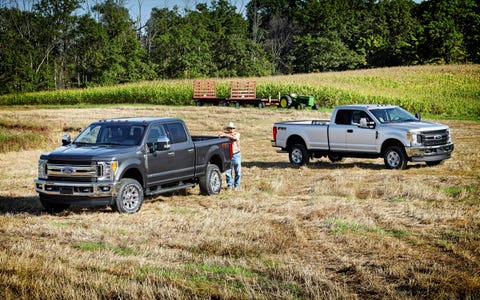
[(230, 125)]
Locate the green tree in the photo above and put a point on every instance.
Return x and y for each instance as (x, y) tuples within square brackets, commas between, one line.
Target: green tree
[(321, 54), (121, 56), (442, 40)]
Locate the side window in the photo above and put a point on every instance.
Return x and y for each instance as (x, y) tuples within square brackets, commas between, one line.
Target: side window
[(343, 117), (357, 115), (176, 133), (155, 132)]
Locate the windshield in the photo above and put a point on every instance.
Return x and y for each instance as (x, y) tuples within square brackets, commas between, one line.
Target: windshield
[(393, 115), (123, 134)]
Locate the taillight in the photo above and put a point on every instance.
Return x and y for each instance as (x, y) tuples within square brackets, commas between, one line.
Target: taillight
[(274, 131)]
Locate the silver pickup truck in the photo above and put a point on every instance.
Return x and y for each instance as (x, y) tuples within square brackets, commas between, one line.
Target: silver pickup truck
[(365, 131)]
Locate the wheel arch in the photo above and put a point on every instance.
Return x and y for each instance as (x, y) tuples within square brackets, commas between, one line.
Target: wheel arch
[(134, 173), (216, 159), (295, 139), (391, 142)]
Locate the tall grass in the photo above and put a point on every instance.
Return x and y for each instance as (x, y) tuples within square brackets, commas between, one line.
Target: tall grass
[(451, 91)]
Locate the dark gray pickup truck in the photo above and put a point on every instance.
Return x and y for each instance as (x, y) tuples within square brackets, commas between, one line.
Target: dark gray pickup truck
[(117, 162)]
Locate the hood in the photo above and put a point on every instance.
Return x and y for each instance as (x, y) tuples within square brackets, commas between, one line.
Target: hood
[(417, 126), (89, 153)]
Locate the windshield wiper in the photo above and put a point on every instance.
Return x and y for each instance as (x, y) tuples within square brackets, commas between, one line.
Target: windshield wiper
[(108, 144)]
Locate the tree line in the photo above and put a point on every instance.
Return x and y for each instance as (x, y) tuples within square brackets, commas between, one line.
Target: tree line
[(51, 46)]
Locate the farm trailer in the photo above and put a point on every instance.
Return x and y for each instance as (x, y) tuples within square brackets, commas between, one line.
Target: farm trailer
[(241, 93)]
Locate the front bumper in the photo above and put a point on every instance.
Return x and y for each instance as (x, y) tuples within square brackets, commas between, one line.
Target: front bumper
[(77, 189), (432, 153)]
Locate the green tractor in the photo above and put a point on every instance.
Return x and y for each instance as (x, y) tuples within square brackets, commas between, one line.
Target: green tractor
[(297, 101)]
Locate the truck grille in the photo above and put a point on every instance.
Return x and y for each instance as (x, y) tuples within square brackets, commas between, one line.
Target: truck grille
[(72, 171), (434, 138)]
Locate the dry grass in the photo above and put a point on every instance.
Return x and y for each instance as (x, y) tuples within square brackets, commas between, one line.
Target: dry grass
[(350, 230)]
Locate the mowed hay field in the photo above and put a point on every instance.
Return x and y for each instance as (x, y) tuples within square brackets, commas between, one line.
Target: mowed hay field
[(349, 230)]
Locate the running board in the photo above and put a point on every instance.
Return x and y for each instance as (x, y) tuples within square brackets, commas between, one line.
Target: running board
[(169, 189)]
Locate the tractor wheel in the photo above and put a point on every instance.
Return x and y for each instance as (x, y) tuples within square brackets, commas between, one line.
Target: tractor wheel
[(285, 101), (300, 106)]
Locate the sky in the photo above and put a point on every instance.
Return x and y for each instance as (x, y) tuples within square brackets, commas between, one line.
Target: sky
[(146, 6)]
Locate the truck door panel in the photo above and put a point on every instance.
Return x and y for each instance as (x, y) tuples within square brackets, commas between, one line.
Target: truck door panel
[(159, 164), (337, 131), (184, 151), (360, 139)]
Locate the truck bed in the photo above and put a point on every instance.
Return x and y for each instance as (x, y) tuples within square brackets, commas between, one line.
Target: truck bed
[(306, 122)]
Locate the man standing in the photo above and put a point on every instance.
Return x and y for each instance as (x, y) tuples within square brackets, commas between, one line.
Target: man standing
[(236, 159)]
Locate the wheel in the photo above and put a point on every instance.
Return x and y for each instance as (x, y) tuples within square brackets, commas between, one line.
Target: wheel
[(285, 101), (199, 103), (315, 106), (237, 104), (433, 163), (298, 155), (130, 196), (260, 104), (226, 103), (395, 158), (52, 207), (334, 157), (211, 182), (300, 106)]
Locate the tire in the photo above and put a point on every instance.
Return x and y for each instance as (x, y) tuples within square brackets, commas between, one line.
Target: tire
[(260, 104), (395, 158), (300, 106), (199, 103), (315, 106), (237, 104), (433, 163), (211, 182), (130, 196), (334, 157), (298, 155), (52, 207), (285, 101)]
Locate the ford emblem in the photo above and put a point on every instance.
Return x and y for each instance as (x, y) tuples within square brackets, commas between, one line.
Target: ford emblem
[(437, 137), (67, 170)]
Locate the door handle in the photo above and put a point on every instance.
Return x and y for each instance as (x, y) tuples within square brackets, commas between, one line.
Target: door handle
[(190, 150), (350, 130), (171, 153)]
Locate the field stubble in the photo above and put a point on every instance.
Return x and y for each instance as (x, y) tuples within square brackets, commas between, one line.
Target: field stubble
[(346, 230)]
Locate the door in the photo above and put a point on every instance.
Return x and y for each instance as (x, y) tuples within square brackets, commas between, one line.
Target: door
[(337, 131), (159, 164), (359, 139), (183, 148)]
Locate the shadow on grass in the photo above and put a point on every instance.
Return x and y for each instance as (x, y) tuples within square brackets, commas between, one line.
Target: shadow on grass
[(31, 205), (325, 165), (19, 205)]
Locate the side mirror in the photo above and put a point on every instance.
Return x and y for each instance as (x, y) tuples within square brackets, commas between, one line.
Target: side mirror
[(163, 143), (418, 116), (66, 140), (365, 124)]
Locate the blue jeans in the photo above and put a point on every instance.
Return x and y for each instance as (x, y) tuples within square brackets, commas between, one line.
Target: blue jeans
[(237, 167)]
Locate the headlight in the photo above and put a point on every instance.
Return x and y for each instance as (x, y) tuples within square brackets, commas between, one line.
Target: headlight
[(414, 138), (42, 169), (106, 170)]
